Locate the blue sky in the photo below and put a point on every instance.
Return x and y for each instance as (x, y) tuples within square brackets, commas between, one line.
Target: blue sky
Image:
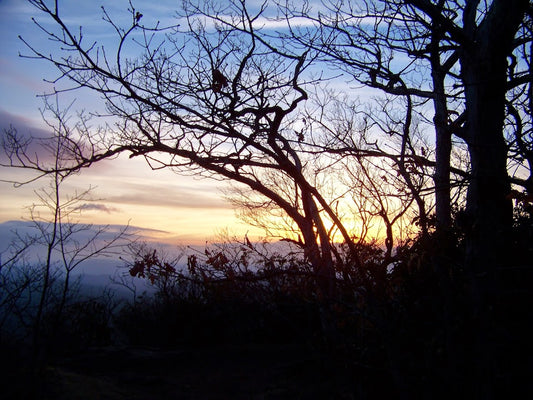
[(181, 209)]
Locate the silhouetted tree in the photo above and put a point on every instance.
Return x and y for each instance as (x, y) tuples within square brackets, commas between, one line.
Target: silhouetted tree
[(170, 113), (455, 56), (37, 267), (471, 61)]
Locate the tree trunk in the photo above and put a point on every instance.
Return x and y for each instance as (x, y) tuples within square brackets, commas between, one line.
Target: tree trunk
[(441, 179), (489, 210), (484, 73), (318, 249), (443, 141)]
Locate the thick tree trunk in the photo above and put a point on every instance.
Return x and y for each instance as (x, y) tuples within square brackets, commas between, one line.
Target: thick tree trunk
[(488, 207), (489, 210), (484, 73)]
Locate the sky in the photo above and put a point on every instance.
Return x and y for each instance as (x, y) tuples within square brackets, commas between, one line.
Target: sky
[(170, 207)]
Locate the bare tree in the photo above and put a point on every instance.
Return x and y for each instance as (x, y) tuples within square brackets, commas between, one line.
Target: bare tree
[(439, 52), (468, 65), (211, 97), (41, 263)]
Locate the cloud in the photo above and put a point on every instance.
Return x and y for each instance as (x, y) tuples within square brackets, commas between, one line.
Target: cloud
[(147, 231), (15, 229), (25, 128), (173, 196), (19, 75), (97, 207), (276, 23), (22, 124)]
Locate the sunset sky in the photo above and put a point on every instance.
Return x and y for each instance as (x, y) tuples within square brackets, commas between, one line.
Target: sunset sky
[(176, 208)]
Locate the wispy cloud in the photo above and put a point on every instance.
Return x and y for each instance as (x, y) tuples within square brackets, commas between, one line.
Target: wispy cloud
[(14, 73), (277, 23), (25, 129), (97, 207), (262, 22), (23, 124), (172, 196)]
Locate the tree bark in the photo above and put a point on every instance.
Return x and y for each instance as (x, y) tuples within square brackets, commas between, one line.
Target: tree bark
[(484, 73), (443, 142), (443, 149), (489, 210)]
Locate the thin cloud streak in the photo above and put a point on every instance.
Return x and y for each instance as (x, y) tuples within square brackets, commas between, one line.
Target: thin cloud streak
[(97, 207), (175, 197)]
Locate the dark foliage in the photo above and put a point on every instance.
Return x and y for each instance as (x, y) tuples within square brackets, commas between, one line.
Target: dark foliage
[(406, 327), (83, 324)]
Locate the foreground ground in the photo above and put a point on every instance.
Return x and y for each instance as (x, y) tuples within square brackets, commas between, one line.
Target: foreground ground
[(224, 372)]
